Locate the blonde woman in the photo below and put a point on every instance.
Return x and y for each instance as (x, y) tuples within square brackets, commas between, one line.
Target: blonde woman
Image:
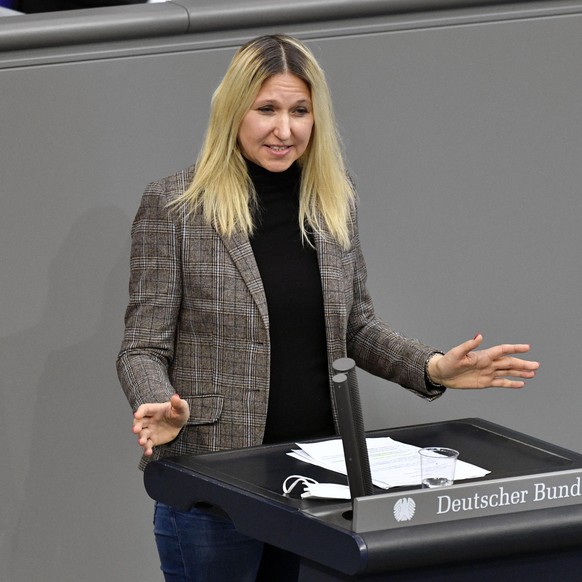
[(247, 281)]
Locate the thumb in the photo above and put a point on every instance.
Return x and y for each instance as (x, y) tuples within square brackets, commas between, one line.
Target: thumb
[(477, 340), (470, 345), (179, 406)]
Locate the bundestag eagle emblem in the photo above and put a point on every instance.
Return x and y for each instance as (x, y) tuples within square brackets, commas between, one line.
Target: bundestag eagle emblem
[(404, 509)]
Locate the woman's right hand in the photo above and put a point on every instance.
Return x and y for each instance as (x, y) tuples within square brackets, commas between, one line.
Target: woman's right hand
[(158, 424)]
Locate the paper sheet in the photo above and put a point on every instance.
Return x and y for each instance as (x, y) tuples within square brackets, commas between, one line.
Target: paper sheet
[(392, 463)]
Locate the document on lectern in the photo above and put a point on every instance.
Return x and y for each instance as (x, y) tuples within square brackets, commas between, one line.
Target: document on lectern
[(392, 463)]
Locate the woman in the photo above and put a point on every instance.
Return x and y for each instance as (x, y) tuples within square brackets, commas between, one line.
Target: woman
[(247, 281)]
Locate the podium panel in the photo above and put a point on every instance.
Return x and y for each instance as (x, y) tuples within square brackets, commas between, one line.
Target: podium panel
[(518, 541)]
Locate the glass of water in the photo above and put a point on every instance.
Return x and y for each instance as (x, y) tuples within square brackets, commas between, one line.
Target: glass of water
[(437, 466)]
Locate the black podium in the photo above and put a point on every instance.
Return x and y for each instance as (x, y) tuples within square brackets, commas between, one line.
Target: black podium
[(523, 521)]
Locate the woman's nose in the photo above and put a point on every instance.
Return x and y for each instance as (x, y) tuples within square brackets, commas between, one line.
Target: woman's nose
[(283, 127)]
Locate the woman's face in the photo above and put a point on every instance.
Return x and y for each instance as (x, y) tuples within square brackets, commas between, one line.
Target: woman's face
[(276, 129)]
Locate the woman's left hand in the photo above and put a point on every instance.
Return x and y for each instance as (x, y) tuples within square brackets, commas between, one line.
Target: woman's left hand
[(496, 367)]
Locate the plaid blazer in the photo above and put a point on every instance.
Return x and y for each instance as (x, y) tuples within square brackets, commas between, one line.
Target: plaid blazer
[(197, 324)]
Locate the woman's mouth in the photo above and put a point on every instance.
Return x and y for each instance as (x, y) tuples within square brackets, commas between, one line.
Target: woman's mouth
[(279, 149)]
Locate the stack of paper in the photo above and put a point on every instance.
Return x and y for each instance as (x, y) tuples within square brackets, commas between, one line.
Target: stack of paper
[(392, 464)]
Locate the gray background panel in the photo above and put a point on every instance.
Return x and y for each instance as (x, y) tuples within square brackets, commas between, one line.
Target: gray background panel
[(463, 133)]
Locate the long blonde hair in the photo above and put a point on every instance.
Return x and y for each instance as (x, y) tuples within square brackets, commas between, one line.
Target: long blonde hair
[(221, 186)]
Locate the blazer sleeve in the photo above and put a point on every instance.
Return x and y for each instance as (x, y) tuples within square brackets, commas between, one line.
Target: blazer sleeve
[(155, 293), (374, 345)]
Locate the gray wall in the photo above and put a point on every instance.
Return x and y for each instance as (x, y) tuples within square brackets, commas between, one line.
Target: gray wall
[(463, 129)]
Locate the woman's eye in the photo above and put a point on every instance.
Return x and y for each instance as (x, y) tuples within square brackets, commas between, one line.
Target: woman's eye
[(265, 109)]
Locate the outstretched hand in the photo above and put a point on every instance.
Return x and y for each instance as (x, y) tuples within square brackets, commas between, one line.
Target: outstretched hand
[(157, 424), (497, 367)]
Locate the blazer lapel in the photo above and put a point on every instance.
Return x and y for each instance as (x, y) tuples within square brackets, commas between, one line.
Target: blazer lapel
[(334, 297), (240, 250), (332, 275)]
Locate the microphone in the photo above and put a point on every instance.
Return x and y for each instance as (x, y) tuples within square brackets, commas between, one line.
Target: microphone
[(351, 425)]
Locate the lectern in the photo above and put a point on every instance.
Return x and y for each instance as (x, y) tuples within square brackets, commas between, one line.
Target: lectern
[(523, 521)]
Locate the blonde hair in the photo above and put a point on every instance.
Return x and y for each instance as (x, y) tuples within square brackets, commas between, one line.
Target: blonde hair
[(221, 186)]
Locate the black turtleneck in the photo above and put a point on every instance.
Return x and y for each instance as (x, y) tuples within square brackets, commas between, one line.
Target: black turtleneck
[(299, 398)]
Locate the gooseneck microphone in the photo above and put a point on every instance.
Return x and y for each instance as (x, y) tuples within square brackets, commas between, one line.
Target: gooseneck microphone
[(351, 425)]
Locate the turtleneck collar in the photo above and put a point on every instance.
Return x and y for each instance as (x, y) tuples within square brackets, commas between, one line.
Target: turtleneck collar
[(265, 179)]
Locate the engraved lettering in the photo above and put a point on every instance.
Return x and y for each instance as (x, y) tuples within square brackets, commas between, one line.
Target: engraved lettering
[(543, 492), (446, 508), (447, 504), (539, 489)]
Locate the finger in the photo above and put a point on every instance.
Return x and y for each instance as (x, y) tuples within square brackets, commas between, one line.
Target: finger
[(510, 378), (180, 409), (473, 344), (514, 365), (143, 436), (177, 403), (520, 373), (140, 411), (147, 444), (509, 362), (507, 383), (148, 448), (138, 425), (520, 364), (148, 410), (462, 350), (508, 349)]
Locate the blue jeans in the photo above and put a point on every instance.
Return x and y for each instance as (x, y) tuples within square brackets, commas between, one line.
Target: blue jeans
[(200, 546)]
